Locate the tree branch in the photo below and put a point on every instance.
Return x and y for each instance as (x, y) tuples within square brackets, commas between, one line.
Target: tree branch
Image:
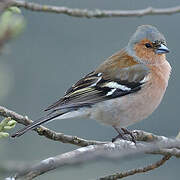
[(153, 144), (97, 13), (61, 137), (137, 170), (43, 131), (109, 151)]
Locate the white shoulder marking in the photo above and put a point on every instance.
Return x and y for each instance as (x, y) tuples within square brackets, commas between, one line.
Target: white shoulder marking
[(117, 86), (110, 92), (145, 79), (99, 74), (94, 84)]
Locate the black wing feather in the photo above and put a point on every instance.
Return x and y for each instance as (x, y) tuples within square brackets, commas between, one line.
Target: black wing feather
[(93, 88)]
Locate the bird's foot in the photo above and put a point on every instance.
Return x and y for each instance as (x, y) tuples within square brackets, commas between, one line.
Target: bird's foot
[(123, 135), (126, 131)]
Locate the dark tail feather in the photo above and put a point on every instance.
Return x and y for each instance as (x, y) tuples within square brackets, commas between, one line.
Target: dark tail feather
[(35, 124)]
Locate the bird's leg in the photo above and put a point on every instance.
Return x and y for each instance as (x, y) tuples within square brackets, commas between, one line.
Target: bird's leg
[(126, 131), (123, 133), (120, 134)]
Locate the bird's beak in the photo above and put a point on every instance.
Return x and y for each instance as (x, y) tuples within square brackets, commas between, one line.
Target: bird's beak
[(162, 49)]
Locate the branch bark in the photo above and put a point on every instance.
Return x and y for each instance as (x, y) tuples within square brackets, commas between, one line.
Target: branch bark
[(109, 151), (137, 170), (150, 144), (43, 131), (97, 13)]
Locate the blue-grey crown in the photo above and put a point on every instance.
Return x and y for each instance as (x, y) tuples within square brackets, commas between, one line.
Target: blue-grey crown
[(146, 32)]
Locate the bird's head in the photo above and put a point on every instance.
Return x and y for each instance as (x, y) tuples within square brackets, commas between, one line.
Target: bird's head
[(147, 45)]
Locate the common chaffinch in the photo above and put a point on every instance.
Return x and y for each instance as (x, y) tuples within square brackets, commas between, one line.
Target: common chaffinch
[(124, 89)]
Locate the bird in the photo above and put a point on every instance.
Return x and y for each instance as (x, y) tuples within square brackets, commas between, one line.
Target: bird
[(125, 89)]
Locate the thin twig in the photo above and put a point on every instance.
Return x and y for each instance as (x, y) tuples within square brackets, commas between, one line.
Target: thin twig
[(137, 170), (43, 131), (97, 13)]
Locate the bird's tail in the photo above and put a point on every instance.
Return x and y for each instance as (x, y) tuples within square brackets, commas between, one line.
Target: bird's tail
[(35, 124)]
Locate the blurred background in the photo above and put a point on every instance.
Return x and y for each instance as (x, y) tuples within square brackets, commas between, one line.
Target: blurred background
[(53, 53)]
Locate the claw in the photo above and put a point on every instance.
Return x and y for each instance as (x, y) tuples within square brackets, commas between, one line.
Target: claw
[(121, 135), (126, 131)]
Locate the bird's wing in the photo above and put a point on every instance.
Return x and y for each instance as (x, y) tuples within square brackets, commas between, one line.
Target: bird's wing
[(101, 85), (110, 80)]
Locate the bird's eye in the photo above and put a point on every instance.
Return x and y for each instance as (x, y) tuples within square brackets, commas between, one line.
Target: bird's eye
[(148, 45)]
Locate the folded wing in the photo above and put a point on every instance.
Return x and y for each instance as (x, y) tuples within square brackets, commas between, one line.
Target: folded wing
[(98, 86)]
